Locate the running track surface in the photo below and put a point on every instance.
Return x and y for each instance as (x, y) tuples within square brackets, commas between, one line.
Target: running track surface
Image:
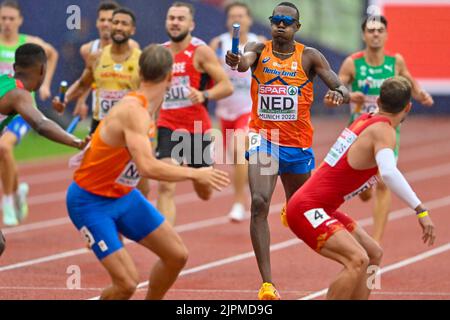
[(221, 263)]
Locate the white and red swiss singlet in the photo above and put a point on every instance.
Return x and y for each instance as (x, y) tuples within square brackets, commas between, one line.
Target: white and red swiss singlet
[(177, 111)]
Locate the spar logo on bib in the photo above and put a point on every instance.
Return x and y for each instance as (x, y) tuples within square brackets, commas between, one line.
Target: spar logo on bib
[(278, 103)]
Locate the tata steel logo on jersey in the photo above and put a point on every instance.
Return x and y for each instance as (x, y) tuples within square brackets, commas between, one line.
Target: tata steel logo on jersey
[(267, 59), (278, 90), (179, 67)]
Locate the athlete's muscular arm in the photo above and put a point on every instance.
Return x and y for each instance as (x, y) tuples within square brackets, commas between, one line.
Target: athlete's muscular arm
[(135, 128), (22, 103), (420, 95), (78, 88), (206, 61), (252, 52), (52, 61), (347, 75), (81, 108), (316, 64), (384, 140)]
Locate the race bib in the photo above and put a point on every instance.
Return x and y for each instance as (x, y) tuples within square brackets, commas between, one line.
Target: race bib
[(107, 100), (178, 95), (316, 217), (88, 237), (130, 176), (76, 160), (344, 142), (277, 103), (254, 140), (370, 106), (369, 184)]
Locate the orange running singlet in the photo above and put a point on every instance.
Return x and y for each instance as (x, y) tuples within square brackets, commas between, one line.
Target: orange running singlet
[(282, 97), (105, 170)]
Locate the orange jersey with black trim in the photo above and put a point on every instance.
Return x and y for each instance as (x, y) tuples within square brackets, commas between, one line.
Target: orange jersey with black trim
[(108, 171), (282, 96)]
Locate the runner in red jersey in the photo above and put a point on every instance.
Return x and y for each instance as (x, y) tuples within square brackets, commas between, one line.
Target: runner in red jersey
[(183, 120), (350, 168)]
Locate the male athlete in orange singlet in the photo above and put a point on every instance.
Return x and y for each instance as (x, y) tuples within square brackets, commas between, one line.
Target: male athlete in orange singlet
[(103, 202), (281, 130)]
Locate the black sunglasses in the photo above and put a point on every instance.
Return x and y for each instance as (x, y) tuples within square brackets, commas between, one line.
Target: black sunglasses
[(287, 20)]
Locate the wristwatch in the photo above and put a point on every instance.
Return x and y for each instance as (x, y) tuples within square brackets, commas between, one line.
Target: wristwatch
[(205, 95)]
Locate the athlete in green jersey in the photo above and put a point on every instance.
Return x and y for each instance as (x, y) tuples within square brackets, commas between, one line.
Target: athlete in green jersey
[(14, 203), (15, 98), (365, 72)]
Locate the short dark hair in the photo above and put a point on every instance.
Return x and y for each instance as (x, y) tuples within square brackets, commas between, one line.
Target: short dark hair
[(29, 55), (379, 18), (155, 63), (126, 11), (237, 4), (185, 4), (291, 5), (395, 94), (11, 4), (107, 6)]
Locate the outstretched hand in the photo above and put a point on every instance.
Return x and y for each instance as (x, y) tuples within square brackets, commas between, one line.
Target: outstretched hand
[(58, 105), (428, 230), (213, 178)]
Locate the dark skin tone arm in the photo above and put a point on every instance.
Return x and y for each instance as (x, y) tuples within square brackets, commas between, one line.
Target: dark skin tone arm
[(313, 62), (21, 102)]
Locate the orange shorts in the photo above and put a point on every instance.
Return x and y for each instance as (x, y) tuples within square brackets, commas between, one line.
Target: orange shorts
[(314, 225)]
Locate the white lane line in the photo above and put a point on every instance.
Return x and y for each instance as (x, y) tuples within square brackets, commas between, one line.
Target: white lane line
[(396, 215), (437, 203), (408, 154), (215, 291), (412, 176), (179, 200), (395, 266), (181, 229)]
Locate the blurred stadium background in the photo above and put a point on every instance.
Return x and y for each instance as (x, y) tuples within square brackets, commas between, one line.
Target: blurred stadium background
[(417, 28)]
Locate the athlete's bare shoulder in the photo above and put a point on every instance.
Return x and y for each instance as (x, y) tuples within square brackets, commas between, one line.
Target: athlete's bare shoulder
[(134, 44), (85, 50), (382, 132), (256, 47), (214, 44)]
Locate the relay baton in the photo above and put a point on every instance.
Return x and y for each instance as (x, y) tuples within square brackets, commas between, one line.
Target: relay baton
[(366, 88), (235, 42), (62, 95), (73, 124), (62, 90)]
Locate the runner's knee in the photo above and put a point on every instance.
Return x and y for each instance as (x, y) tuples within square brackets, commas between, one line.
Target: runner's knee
[(5, 150), (358, 263), (375, 255), (126, 285), (166, 188), (366, 195), (381, 187), (178, 258), (260, 205)]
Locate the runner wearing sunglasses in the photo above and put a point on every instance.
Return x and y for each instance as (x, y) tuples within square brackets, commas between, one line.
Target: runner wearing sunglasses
[(280, 140)]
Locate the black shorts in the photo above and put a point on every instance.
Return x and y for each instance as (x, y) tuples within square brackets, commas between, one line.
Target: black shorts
[(94, 125), (193, 150)]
